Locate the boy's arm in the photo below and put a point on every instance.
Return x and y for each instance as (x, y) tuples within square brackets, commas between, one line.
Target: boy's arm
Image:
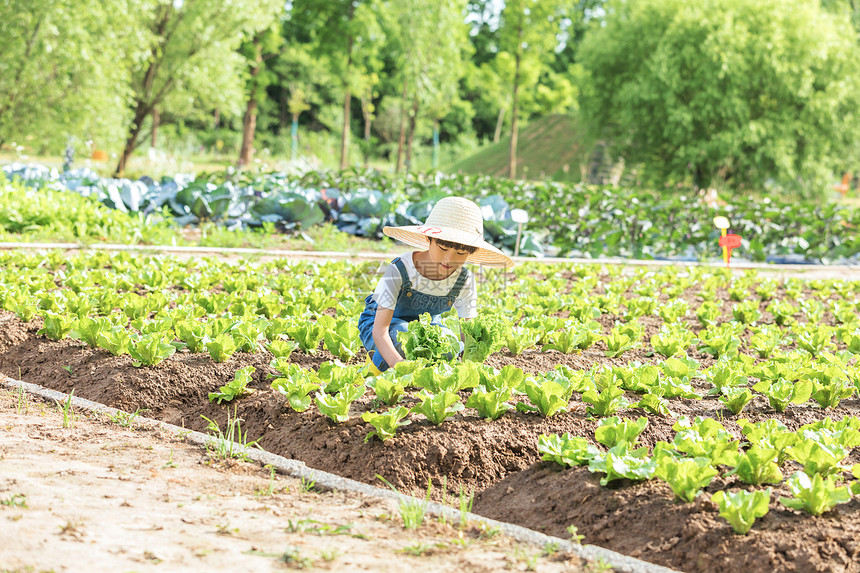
[(381, 337)]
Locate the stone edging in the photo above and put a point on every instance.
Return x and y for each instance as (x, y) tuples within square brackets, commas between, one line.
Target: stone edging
[(298, 469)]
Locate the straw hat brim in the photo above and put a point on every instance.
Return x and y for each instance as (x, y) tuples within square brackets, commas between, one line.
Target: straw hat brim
[(419, 236)]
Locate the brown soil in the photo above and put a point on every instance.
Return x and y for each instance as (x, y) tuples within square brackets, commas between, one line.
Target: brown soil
[(499, 460), (121, 498)]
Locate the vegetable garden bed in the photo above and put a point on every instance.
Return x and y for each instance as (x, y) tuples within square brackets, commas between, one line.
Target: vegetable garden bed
[(634, 315)]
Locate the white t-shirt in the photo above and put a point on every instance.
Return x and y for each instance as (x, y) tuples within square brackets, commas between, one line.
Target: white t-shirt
[(389, 285)]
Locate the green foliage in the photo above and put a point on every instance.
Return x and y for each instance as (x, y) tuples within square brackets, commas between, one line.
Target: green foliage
[(89, 329), (686, 477), (621, 462), (490, 404), (520, 338), (547, 396), (387, 387), (484, 335), (742, 508), (720, 341), (337, 407), (672, 82), (622, 338), (428, 341), (296, 384), (438, 407), (614, 431), (757, 466), (672, 339), (782, 392), (221, 348), (735, 399), (149, 349), (235, 388), (566, 450), (57, 325), (815, 494), (386, 424)]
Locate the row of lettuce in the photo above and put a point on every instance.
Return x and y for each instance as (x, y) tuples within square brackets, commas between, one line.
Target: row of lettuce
[(799, 354), (578, 221)]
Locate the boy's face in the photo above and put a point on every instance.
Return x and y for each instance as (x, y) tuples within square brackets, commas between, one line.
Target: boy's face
[(448, 259)]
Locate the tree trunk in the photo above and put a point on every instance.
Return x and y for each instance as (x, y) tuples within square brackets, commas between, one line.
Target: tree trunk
[(140, 112), (156, 120), (402, 141), (514, 111), (249, 123), (413, 119), (368, 118), (499, 123)]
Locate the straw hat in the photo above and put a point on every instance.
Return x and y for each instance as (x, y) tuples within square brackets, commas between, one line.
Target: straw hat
[(457, 220)]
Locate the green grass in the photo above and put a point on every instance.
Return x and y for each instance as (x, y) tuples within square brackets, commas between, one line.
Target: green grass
[(544, 148)]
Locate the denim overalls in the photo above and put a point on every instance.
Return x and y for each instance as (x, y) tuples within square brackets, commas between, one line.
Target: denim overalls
[(410, 305)]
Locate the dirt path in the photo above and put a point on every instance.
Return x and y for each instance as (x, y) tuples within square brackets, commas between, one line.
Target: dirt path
[(106, 497)]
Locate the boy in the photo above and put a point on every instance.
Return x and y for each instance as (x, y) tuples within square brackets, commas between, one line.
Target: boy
[(431, 279)]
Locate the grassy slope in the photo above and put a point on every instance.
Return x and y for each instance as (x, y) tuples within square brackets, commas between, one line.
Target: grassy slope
[(545, 147)]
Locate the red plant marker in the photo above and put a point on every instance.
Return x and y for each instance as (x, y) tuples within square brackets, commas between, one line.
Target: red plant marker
[(730, 242)]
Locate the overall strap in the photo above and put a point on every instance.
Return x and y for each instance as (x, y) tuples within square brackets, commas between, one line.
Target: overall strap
[(407, 284), (458, 286)]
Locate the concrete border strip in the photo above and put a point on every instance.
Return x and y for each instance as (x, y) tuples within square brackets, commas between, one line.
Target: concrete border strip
[(297, 469), (172, 249)]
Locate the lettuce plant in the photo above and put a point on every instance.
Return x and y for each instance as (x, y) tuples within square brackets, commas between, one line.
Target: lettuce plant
[(483, 335), (705, 437), (614, 431), (547, 396), (623, 337), (236, 388), (819, 451), (193, 334), (734, 398), (336, 407), (621, 462), (605, 402), (518, 339), (343, 340), (296, 384), (686, 477), (770, 434), (509, 377), (746, 312), (765, 340), (490, 404), (672, 339), (221, 348), (708, 313), (447, 378), (89, 329), (149, 349), (720, 341), (335, 376), (116, 340), (782, 392), (428, 341), (566, 450), (641, 306), (247, 334), (388, 389), (281, 348), (742, 508), (655, 403), (815, 494), (813, 338), (57, 325), (673, 310), (309, 334), (758, 466), (438, 407), (385, 425), (814, 309), (783, 312)]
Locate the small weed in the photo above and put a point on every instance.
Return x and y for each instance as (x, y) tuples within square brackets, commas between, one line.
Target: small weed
[(124, 419), (292, 557), (270, 490), (227, 442), (550, 549), (419, 549), (466, 502), (68, 369), (23, 405), (169, 463), (65, 408), (412, 510), (307, 485), (529, 560), (224, 529), (320, 528), (17, 500), (575, 537), (488, 532), (329, 555), (599, 566)]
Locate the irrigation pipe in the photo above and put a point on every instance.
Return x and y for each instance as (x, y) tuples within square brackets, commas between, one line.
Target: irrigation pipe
[(370, 256), (329, 481)]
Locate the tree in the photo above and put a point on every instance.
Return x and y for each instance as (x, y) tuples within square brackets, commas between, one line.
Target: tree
[(266, 44), (737, 91), (60, 74), (529, 34), (190, 57)]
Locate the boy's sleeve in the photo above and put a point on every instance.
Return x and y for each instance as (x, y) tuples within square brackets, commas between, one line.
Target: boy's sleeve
[(466, 304), (386, 291)]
